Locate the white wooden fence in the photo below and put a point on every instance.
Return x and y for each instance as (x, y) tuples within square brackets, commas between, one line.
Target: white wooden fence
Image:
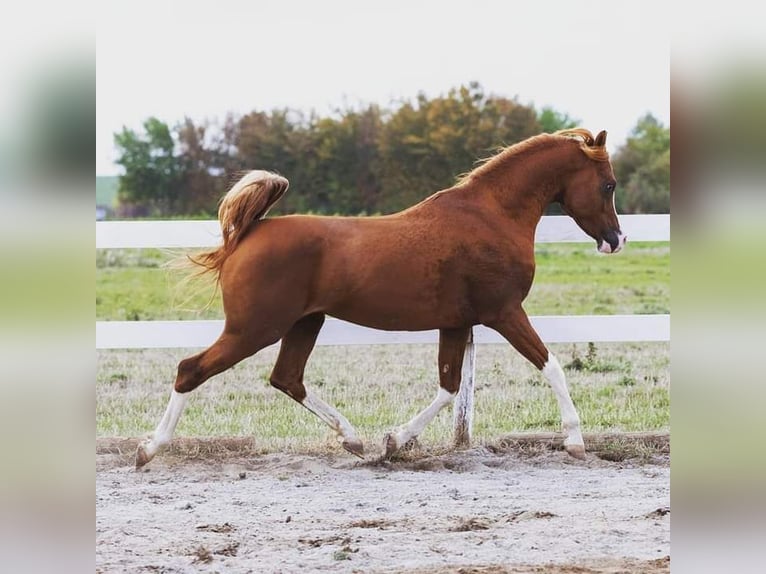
[(552, 229)]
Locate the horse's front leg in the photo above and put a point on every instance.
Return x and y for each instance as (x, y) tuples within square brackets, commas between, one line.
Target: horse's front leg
[(452, 344), (514, 325)]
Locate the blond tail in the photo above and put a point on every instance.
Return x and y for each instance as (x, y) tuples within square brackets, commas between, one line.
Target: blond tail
[(247, 201)]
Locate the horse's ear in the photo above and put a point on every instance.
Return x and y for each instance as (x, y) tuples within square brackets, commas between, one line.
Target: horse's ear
[(600, 139)]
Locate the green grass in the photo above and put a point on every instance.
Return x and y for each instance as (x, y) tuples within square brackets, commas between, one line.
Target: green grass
[(571, 279), (381, 387)]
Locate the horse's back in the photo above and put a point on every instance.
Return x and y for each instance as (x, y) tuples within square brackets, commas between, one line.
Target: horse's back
[(389, 272)]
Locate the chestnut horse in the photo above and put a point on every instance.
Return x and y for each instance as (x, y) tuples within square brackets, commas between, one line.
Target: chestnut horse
[(463, 256)]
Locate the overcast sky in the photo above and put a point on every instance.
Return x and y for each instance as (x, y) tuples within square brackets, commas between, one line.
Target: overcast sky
[(605, 63)]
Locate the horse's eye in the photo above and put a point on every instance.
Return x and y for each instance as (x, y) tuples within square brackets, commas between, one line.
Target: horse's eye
[(609, 187)]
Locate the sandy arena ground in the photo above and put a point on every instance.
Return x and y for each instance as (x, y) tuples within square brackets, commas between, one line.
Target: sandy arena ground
[(475, 511)]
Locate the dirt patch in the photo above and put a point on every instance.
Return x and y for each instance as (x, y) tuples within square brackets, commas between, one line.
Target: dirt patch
[(614, 447), (470, 524), (610, 566), (527, 515), (378, 523), (659, 513), (484, 510), (225, 527)]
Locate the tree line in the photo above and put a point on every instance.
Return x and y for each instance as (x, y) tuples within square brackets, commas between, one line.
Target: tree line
[(359, 160)]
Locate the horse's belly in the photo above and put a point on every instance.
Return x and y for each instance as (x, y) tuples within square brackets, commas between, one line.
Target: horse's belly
[(402, 309), (387, 320)]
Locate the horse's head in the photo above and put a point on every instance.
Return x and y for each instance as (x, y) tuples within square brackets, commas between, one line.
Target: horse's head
[(587, 193)]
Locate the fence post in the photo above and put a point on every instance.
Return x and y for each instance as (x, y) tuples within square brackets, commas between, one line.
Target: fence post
[(463, 408)]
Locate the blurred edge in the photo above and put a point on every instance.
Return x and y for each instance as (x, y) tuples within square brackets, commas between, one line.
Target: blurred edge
[(47, 138), (718, 327)]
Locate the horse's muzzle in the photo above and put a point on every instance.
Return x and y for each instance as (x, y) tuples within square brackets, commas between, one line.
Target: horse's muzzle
[(612, 242)]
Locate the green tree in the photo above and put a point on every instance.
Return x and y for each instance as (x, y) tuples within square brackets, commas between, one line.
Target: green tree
[(151, 183), (423, 146), (346, 169), (278, 141), (642, 169), (357, 160), (201, 184), (552, 121)]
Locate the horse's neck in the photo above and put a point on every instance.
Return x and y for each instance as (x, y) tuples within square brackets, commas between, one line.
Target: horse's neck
[(525, 186), (517, 188)]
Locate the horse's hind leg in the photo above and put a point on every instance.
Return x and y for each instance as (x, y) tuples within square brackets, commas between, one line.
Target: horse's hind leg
[(228, 350), (287, 376), (452, 344)]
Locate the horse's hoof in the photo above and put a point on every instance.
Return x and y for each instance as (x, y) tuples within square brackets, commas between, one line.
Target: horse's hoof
[(141, 456), (355, 447), (411, 444), (389, 445), (576, 450)]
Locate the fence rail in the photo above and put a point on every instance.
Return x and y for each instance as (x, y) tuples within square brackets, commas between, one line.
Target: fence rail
[(560, 329), (571, 329), (172, 234)]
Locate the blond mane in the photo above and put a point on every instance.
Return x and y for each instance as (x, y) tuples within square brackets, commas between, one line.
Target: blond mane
[(587, 145)]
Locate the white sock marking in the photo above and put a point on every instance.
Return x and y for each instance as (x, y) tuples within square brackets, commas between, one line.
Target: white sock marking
[(569, 418), (421, 420), (330, 416), (164, 431)]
